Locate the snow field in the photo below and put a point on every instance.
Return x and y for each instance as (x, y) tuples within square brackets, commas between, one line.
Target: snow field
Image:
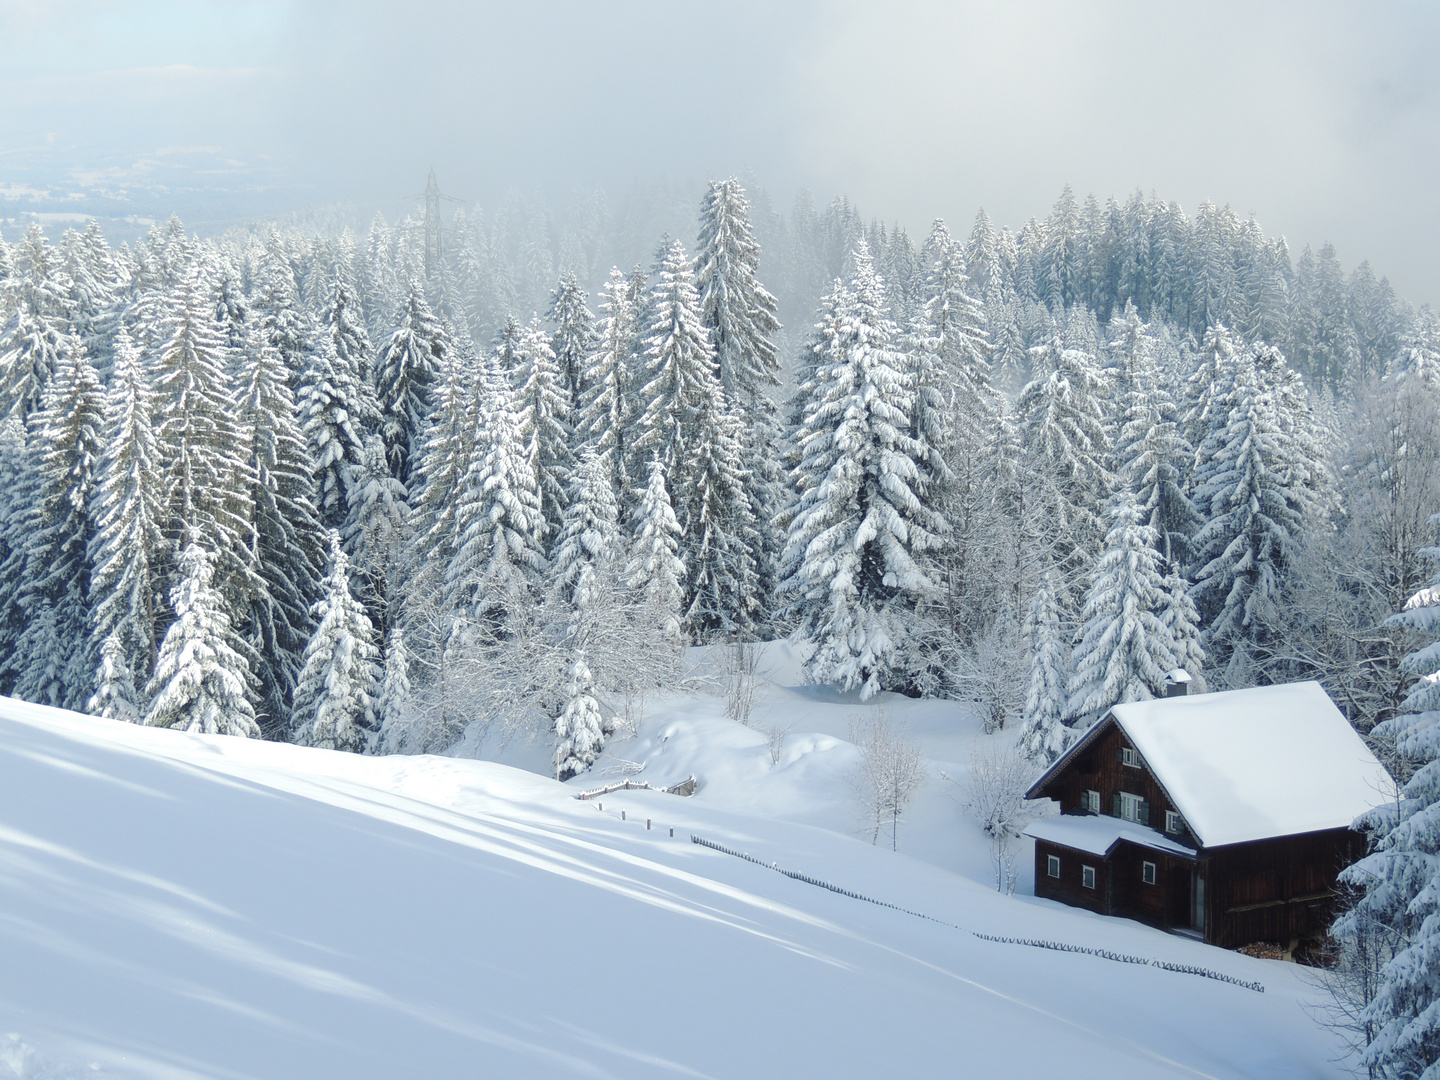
[(205, 906)]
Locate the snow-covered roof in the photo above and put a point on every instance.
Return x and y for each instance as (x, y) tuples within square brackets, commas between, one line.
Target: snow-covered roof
[(1097, 834), (1248, 764)]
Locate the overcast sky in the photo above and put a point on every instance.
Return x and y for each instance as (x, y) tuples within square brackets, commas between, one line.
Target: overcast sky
[(1323, 119)]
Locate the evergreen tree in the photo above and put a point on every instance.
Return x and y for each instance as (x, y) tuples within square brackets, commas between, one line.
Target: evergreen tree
[(127, 551), (655, 574), (734, 307), (852, 557), (546, 418), (1125, 649), (394, 691), (284, 544), (1065, 437), (336, 690), (378, 533), (574, 337), (606, 405), (334, 436), (200, 683), (115, 697), (579, 731), (1258, 492), (30, 348), (679, 371), (204, 454), (407, 368), (1043, 735), (55, 656)]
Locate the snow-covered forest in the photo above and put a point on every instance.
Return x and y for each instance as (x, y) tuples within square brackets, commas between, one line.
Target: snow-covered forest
[(394, 490), (346, 491)]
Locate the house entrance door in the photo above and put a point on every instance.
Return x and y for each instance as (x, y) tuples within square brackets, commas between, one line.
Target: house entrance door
[(1197, 901)]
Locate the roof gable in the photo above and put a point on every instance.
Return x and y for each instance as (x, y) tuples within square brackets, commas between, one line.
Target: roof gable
[(1250, 764)]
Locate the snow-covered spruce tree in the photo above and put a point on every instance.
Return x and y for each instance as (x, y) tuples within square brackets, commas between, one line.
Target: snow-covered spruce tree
[(127, 551), (499, 525), (1124, 649), (1066, 439), (330, 417), (1208, 387), (579, 731), (452, 443), (851, 564), (1400, 878), (606, 408), (574, 337), (115, 696), (284, 323), (408, 366), (394, 699), (30, 347), (1151, 455), (1260, 488), (285, 539), (55, 656), (17, 489), (679, 371), (200, 683), (655, 576), (546, 417), (737, 310), (204, 455), (1043, 735), (718, 530), (583, 573), (378, 534), (335, 693)]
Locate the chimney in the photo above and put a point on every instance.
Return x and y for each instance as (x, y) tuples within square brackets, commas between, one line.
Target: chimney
[(1177, 682)]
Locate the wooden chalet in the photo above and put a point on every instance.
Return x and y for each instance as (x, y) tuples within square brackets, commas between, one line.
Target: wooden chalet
[(1226, 815)]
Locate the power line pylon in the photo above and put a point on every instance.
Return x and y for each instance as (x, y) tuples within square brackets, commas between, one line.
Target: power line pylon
[(432, 199)]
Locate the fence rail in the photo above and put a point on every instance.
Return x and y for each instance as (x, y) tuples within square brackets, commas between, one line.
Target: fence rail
[(1037, 943), (684, 787)]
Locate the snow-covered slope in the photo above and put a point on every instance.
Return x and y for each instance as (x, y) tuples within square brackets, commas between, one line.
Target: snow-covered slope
[(178, 906)]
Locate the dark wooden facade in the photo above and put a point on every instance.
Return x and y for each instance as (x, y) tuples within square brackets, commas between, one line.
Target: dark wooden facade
[(1277, 889)]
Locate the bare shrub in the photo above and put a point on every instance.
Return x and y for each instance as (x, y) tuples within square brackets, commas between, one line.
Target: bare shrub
[(994, 794), (891, 770)]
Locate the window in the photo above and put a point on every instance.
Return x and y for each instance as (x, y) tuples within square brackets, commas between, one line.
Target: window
[(1174, 823), (1087, 876), (1052, 865), (1090, 802), (1133, 808), (1147, 873), (1128, 756)]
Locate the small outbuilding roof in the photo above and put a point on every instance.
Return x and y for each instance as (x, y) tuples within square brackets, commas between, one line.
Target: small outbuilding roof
[(1250, 764), (1098, 835)]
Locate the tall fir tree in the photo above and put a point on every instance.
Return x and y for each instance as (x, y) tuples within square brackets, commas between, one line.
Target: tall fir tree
[(607, 406), (200, 683), (574, 337), (546, 416), (335, 694), (853, 560), (655, 575), (1125, 649), (407, 368), (1043, 733), (127, 551), (55, 655)]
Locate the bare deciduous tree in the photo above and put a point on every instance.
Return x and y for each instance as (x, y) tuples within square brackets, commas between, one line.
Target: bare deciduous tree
[(994, 794), (890, 772)]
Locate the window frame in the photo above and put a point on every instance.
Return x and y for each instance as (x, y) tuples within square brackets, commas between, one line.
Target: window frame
[(1137, 802), (1052, 866), (1087, 877), (1130, 757), (1149, 872), (1090, 801), (1174, 823)]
